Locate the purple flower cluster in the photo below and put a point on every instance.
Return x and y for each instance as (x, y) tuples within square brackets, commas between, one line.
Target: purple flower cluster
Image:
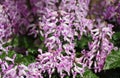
[(59, 22), (112, 12), (99, 48), (108, 10), (5, 29)]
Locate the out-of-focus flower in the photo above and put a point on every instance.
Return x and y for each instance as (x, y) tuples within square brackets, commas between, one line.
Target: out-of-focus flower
[(110, 12)]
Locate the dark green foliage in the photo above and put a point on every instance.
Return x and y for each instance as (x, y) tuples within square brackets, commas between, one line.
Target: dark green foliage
[(113, 60)]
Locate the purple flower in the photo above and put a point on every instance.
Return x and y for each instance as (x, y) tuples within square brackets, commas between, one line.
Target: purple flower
[(109, 12), (99, 48)]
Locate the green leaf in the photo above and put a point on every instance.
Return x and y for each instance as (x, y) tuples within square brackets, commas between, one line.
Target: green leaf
[(10, 54), (82, 44), (89, 74), (116, 35), (21, 59), (2, 56), (113, 60), (116, 38)]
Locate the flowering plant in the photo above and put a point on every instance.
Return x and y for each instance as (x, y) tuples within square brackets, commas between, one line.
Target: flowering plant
[(56, 38)]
